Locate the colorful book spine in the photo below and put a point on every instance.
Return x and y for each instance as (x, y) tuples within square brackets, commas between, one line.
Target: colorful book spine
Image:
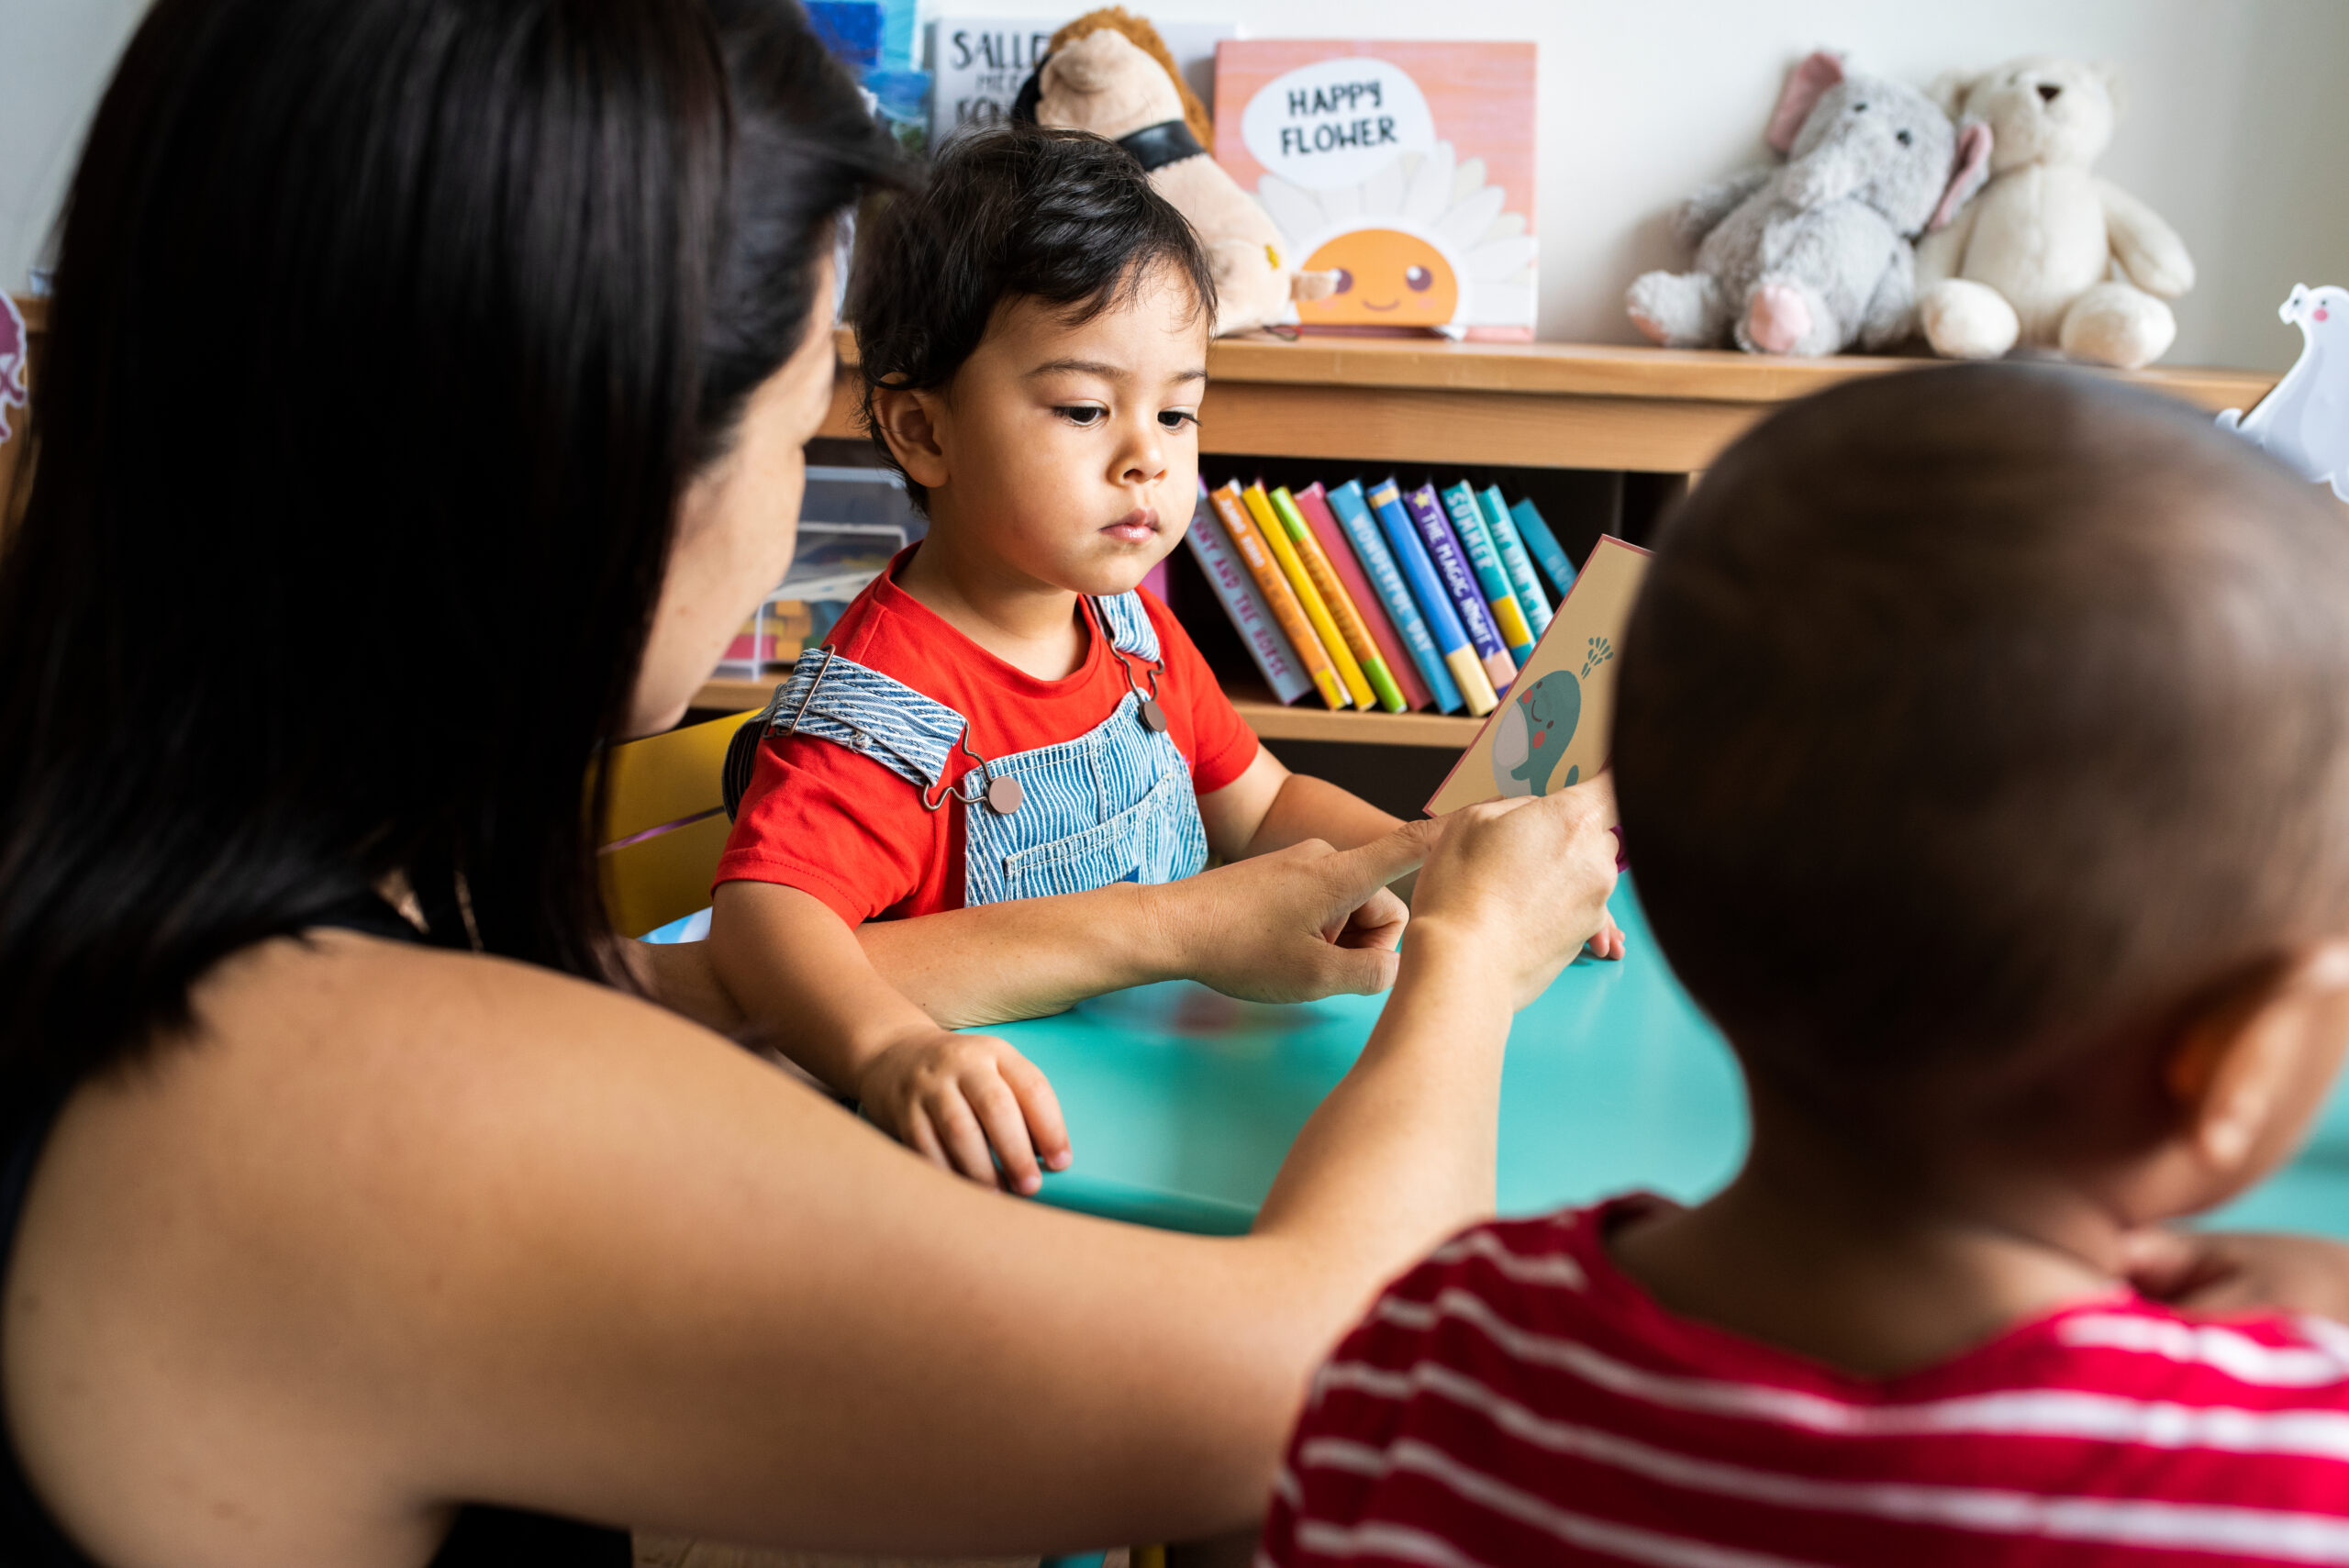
[(1467, 515), (1257, 556), (1514, 560), (1452, 566), (1545, 546), (1435, 603), (1402, 660), (1317, 610), (1284, 672), (1340, 604), (1377, 560)]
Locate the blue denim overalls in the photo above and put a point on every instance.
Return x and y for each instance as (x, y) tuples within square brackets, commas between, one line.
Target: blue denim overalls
[(1114, 805)]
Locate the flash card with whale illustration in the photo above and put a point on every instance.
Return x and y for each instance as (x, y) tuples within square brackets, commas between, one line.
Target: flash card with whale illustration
[(1550, 731)]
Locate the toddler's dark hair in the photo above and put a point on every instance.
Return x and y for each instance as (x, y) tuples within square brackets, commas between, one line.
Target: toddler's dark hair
[(1981, 711), (1010, 211)]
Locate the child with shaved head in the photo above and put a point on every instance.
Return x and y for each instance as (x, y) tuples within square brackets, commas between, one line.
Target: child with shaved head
[(1983, 747)]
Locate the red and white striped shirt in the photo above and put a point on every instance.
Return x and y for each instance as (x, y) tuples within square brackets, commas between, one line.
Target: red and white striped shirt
[(1517, 1399)]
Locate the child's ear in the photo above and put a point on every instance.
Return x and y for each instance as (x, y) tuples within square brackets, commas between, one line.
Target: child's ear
[(909, 422), (2250, 1064)]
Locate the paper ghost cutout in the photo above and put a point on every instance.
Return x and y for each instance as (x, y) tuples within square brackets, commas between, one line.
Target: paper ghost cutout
[(2304, 422)]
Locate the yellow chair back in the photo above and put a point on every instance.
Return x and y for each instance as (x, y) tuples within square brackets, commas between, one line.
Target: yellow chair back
[(664, 823)]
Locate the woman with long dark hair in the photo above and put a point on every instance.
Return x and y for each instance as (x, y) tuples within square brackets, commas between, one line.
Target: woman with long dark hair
[(423, 408)]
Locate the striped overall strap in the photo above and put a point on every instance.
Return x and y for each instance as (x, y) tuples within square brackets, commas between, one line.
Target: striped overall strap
[(837, 699), (1128, 623)]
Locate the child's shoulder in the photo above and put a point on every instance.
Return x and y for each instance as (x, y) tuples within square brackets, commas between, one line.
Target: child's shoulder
[(888, 631), (1513, 1275), (2238, 1361)]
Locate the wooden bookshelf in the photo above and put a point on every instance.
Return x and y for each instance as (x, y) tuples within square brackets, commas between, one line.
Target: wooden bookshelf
[(1271, 721), (1526, 405), (1269, 718), (730, 695), (1374, 400)]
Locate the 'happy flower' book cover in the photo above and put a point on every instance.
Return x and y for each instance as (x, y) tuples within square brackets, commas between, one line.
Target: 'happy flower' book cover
[(1407, 167)]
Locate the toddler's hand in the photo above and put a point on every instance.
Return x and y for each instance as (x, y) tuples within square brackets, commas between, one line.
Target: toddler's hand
[(951, 1095)]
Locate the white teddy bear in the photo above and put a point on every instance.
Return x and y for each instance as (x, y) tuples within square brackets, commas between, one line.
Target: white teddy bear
[(2030, 259)]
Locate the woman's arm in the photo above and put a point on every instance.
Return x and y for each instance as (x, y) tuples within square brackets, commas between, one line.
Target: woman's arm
[(1267, 807), (681, 977), (1509, 894), (408, 1226), (1305, 922)]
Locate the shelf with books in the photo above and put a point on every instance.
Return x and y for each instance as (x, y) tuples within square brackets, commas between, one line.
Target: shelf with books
[(1597, 438)]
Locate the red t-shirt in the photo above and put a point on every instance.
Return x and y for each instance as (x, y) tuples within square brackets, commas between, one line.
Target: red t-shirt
[(819, 817), (1518, 1399)]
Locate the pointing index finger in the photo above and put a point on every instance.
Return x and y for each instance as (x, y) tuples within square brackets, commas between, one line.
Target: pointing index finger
[(1380, 861)]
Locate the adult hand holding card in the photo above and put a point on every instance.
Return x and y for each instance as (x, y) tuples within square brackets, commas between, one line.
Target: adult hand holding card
[(1550, 731)]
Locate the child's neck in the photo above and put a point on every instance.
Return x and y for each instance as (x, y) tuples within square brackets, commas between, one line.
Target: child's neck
[(1034, 627), (1835, 1255)]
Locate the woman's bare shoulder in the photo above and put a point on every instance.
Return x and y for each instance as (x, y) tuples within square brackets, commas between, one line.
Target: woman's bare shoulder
[(292, 1242)]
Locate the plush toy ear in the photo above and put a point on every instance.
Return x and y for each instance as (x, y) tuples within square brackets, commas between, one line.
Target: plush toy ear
[(1973, 168), (1811, 78)]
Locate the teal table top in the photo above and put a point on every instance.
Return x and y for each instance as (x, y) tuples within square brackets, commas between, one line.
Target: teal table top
[(1180, 1103)]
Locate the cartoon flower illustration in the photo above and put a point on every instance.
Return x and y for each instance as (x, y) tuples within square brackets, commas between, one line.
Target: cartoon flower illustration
[(1423, 242)]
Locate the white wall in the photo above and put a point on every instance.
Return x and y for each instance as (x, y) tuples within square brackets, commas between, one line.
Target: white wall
[(2237, 132), (2236, 128), (55, 57)]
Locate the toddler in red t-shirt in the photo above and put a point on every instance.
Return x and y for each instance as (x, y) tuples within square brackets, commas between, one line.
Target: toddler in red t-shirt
[(1003, 714), (1981, 750)]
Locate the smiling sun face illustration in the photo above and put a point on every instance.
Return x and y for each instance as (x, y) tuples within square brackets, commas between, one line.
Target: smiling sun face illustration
[(1385, 277), (1423, 242)]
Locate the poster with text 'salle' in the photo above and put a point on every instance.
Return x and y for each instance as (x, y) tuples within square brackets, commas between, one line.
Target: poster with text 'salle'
[(1406, 168), (1558, 718), (979, 63)]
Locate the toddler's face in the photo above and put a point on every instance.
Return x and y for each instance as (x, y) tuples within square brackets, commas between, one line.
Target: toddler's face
[(1072, 453)]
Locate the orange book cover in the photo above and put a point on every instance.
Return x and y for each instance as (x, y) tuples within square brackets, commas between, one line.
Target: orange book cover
[(1407, 168), (1274, 584), (1349, 675)]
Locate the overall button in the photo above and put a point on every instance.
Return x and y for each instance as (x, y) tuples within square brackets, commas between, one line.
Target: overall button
[(1154, 718), (1002, 796)]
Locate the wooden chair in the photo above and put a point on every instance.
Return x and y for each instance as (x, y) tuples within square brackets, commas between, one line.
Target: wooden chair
[(664, 824)]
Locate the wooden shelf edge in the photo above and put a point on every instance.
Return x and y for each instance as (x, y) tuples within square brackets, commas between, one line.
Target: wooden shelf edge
[(727, 695), (1584, 370), (1269, 719), (1272, 721), (1627, 371)]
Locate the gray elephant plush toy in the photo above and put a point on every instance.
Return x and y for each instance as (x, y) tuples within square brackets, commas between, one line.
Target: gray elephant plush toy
[(1813, 255)]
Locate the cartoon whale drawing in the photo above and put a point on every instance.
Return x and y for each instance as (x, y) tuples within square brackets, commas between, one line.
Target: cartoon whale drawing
[(1534, 734), (2304, 422)]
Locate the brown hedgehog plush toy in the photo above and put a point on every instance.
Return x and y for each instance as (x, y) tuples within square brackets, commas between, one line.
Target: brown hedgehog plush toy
[(1109, 73)]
